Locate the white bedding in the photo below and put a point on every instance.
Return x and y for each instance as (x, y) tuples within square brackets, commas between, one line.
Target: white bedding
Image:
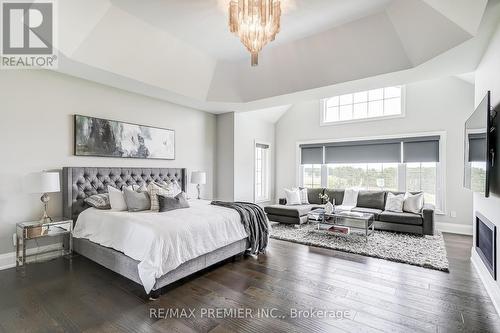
[(162, 241)]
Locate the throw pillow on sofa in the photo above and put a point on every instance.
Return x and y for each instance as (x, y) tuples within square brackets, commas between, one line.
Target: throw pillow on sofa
[(394, 202), (350, 197), (413, 203), (303, 195), (292, 197)]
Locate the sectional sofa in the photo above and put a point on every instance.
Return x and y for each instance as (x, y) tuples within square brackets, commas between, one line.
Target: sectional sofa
[(368, 202)]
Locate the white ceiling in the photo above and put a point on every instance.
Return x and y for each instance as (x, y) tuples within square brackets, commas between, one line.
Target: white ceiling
[(182, 51), (203, 23)]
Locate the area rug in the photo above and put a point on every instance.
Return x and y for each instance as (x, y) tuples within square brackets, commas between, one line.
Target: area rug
[(424, 251)]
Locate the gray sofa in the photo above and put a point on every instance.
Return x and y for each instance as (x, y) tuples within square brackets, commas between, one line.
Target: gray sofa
[(368, 202)]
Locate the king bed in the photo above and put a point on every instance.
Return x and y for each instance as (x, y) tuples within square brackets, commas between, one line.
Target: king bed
[(150, 248)]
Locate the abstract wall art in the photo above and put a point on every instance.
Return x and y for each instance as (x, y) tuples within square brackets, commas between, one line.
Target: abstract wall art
[(110, 138)]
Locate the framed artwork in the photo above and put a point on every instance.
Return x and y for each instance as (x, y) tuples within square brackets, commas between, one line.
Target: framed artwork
[(110, 138)]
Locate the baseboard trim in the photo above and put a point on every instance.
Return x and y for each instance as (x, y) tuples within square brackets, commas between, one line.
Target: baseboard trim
[(8, 260), (454, 228), (490, 285)]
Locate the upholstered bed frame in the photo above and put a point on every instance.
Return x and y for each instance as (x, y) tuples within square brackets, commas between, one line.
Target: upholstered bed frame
[(82, 182)]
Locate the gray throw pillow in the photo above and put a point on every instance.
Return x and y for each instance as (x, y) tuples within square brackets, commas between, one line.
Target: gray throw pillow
[(168, 203), (99, 201), (136, 201)]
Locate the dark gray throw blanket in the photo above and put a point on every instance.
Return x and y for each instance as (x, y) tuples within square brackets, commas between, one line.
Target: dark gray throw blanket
[(254, 220)]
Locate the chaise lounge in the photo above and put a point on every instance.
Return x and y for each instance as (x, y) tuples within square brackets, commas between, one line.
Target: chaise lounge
[(368, 202)]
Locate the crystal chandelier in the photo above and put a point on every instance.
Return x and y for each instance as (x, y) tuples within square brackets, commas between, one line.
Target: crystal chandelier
[(255, 22)]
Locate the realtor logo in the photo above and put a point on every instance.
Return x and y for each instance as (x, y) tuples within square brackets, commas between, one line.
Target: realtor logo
[(28, 35)]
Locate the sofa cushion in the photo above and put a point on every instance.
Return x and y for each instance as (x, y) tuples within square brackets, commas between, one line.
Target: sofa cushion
[(402, 218), (374, 211), (371, 199), (337, 195), (313, 195), (292, 211)]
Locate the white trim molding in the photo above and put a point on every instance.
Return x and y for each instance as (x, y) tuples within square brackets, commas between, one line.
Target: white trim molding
[(490, 285), (454, 228)]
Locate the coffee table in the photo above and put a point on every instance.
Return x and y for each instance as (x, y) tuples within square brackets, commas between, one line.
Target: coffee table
[(364, 222)]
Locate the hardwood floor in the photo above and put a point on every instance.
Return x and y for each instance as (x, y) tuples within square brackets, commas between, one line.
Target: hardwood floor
[(375, 295)]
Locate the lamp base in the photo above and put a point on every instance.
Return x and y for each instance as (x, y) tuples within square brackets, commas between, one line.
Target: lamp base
[(45, 217), (198, 187)]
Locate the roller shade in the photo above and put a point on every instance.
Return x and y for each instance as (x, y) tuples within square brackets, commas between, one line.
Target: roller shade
[(311, 154), (477, 147), (374, 151), (421, 149)]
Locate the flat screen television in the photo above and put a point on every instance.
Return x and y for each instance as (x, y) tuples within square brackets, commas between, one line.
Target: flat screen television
[(480, 142)]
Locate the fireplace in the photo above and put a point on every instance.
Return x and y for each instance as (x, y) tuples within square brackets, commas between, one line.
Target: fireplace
[(486, 243)]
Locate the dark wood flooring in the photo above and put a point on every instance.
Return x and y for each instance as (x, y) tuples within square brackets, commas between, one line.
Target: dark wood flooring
[(375, 295)]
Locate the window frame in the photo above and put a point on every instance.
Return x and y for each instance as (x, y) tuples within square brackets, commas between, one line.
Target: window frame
[(323, 109), (441, 194), (266, 171)]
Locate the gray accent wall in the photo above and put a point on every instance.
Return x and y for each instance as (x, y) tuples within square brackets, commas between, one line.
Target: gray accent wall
[(36, 133)]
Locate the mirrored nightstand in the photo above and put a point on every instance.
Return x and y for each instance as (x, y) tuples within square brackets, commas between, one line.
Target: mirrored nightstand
[(34, 230)]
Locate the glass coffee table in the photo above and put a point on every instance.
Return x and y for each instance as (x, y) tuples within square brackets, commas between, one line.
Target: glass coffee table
[(361, 223)]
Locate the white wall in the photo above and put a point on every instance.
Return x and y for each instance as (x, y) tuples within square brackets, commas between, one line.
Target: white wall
[(36, 133), (224, 189), (236, 136), (487, 78), (249, 128), (437, 105)]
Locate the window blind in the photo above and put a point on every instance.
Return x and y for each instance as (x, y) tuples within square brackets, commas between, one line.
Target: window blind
[(421, 149), (373, 151), (311, 154), (262, 146)]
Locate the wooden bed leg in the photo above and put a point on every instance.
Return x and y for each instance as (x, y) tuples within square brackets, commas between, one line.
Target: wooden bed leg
[(154, 294)]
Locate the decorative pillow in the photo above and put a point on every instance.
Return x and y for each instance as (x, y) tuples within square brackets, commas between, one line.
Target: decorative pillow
[(413, 203), (292, 197), (99, 201), (304, 200), (154, 190), (136, 201), (116, 199), (350, 197), (168, 203), (394, 202)]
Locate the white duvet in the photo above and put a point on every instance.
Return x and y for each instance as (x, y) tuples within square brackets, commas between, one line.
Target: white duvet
[(162, 241)]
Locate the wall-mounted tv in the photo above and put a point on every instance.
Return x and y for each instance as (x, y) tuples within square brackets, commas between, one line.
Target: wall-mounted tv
[(480, 148)]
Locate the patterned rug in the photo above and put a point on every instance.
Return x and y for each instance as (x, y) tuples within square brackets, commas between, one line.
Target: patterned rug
[(424, 251)]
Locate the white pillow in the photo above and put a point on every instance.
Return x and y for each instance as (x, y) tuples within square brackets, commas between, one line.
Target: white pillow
[(394, 202), (350, 197), (292, 197), (304, 200), (116, 199), (413, 203)]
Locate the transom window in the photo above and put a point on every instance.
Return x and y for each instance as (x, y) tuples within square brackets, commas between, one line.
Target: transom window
[(376, 103)]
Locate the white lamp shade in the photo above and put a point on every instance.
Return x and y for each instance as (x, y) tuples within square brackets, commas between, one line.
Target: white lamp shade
[(42, 182), (198, 177)]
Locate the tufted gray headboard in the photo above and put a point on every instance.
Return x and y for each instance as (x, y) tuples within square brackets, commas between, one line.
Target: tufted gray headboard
[(82, 182)]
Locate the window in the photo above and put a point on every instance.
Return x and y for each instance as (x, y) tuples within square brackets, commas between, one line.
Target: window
[(422, 177), (377, 103), (370, 176), (311, 175), (262, 161), (393, 164)]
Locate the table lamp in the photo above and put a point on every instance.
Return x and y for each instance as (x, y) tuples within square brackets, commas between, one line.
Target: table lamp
[(45, 183), (198, 178)]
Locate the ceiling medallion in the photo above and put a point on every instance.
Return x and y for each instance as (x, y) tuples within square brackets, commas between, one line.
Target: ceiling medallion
[(255, 22)]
